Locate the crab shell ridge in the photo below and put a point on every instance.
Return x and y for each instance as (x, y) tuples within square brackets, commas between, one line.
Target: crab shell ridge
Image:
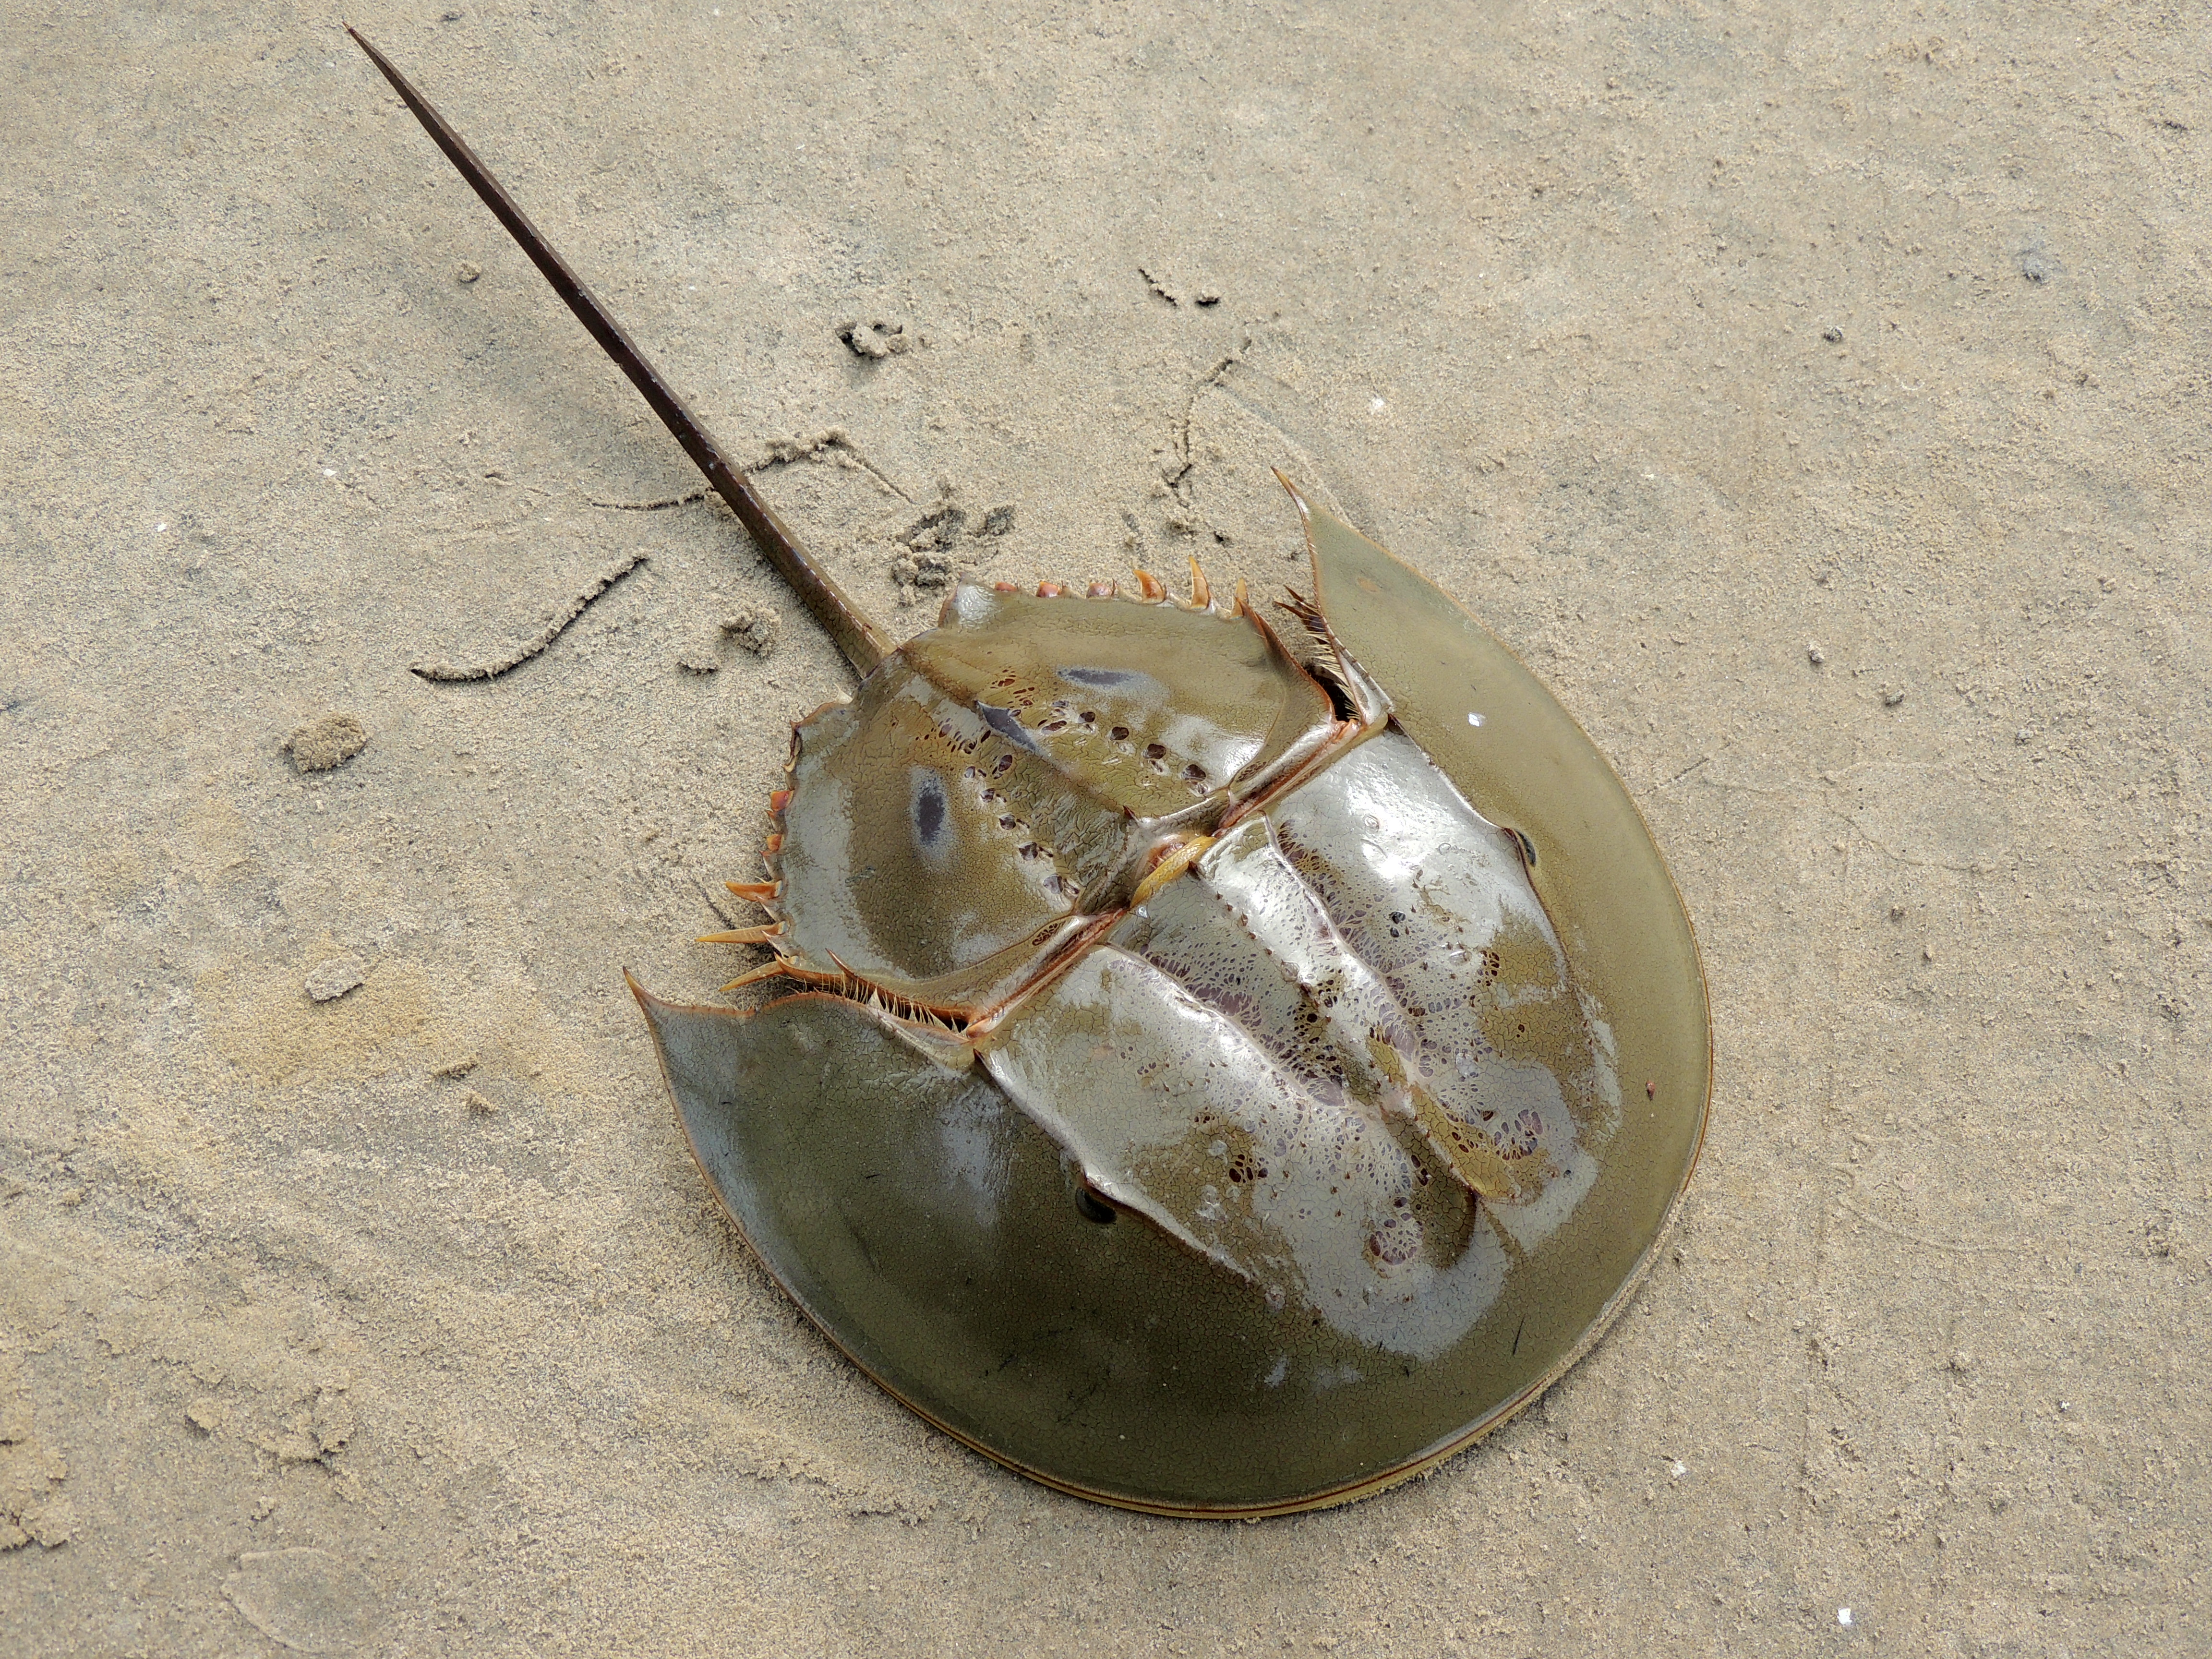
[(1196, 1102)]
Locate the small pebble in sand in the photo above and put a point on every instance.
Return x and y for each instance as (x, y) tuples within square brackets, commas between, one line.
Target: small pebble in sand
[(698, 656), (467, 271), (1814, 655), (915, 573), (875, 341), (320, 745), (333, 979), (756, 628), (1892, 697)]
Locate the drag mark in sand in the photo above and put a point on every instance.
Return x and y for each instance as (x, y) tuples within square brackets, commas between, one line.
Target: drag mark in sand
[(446, 676)]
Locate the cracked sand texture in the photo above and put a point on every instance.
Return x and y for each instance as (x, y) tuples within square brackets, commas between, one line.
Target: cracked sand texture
[(1676, 340)]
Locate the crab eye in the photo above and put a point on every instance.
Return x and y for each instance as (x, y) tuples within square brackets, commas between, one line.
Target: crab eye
[(927, 807), (1092, 1207)]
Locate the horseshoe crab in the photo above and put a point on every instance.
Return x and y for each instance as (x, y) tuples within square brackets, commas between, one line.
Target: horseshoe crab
[(1215, 1079)]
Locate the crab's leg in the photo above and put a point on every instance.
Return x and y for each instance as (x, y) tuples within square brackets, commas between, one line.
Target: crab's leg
[(760, 935), (862, 642)]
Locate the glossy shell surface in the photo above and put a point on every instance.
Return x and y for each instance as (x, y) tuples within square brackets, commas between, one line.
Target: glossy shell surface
[(1216, 1087), (1223, 1081)]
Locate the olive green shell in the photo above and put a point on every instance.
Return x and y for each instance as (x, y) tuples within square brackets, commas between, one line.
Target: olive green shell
[(1229, 1089), (1218, 1089)]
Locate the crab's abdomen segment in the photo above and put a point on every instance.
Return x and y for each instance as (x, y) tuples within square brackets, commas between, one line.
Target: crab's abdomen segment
[(994, 789), (1301, 1057)]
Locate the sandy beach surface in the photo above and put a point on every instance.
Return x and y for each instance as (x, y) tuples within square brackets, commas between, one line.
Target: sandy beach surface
[(1816, 396)]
